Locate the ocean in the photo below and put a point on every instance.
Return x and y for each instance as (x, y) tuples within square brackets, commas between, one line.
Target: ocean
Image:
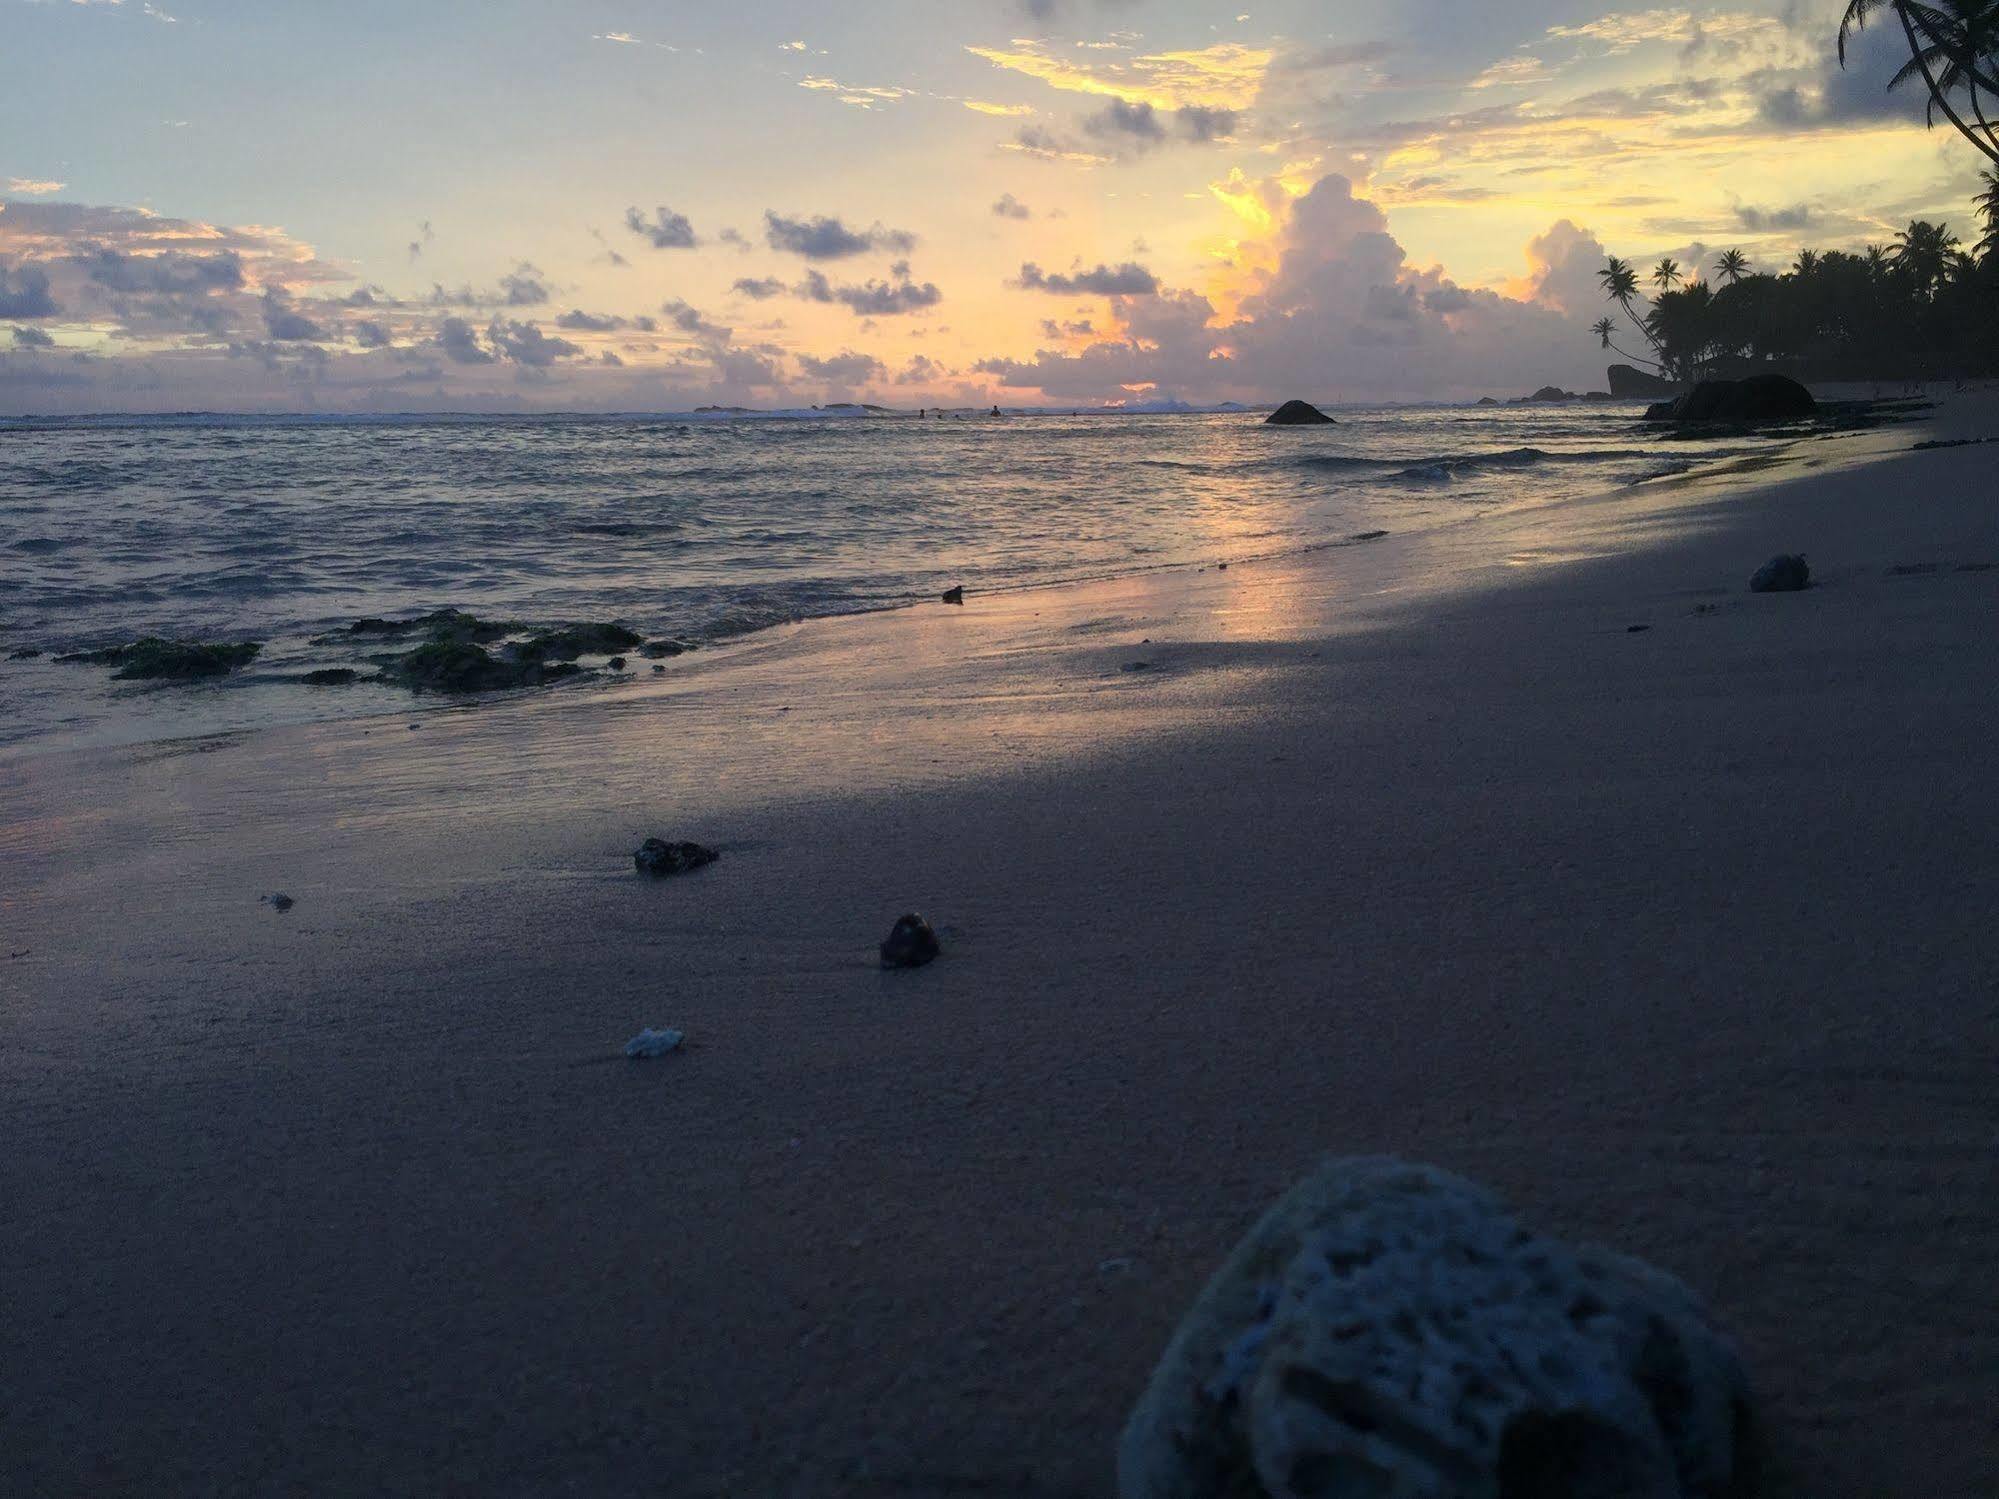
[(284, 530)]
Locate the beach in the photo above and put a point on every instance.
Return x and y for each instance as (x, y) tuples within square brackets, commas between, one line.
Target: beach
[(1533, 846)]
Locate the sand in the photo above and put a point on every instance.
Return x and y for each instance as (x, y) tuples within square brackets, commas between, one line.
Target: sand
[(1682, 939)]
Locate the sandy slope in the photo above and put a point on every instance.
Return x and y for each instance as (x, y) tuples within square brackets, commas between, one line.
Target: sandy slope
[(1683, 939)]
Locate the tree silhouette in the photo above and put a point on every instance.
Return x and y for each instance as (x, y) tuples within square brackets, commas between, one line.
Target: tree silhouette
[(1731, 266), (1953, 50), (1666, 274)]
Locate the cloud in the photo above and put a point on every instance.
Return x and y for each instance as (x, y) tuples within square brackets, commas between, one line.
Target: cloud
[(34, 186), (1142, 126), (32, 338), (1562, 266), (844, 368), (589, 322), (1035, 140), (523, 287), (1128, 280), (371, 335), (460, 342), (759, 289), (689, 320), (1225, 76), (526, 344), (824, 238), (24, 293), (874, 298), (163, 272), (284, 323), (1010, 207), (667, 230), (1773, 220)]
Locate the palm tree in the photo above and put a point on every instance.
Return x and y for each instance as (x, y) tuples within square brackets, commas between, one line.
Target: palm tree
[(1731, 266), (1620, 284), (1806, 266), (1878, 263), (1925, 252), (1988, 209), (1666, 274), (1603, 328), (1953, 49)]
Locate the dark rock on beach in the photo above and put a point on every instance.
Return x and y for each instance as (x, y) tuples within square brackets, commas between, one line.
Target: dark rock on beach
[(1785, 574), (281, 902), (660, 650), (1298, 414), (23, 655), (330, 676), (1628, 383), (460, 666), (439, 624), (616, 663), (571, 641), (954, 595), (1760, 398), (661, 859), (911, 944), (1390, 1329), (154, 659)]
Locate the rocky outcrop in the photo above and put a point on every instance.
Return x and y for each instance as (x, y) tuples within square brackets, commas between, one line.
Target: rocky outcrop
[(1390, 1329), (1784, 574), (155, 660), (1629, 383), (1760, 398), (461, 666), (1298, 414), (661, 859), (911, 943)]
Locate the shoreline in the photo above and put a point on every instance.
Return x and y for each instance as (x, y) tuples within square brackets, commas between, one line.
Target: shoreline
[(1678, 937)]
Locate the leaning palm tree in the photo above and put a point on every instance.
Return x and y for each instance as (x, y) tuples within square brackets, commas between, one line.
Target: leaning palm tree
[(1953, 49), (1604, 328), (1620, 284), (1666, 274), (1731, 266)]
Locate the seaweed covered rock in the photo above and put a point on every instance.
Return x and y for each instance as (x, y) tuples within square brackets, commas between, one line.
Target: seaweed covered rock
[(661, 859), (571, 641), (1784, 574), (439, 624), (155, 659), (910, 944), (1298, 414), (660, 650), (1388, 1329), (461, 666)]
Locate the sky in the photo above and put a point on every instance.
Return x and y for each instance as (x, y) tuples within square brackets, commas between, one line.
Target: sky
[(627, 205)]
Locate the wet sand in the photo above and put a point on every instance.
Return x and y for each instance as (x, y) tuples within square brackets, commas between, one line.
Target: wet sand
[(1681, 939)]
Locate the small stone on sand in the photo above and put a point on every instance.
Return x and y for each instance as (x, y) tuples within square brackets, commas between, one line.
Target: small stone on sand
[(660, 859), (649, 1044), (911, 944)]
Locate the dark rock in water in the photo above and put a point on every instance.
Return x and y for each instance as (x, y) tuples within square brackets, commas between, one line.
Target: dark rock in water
[(1785, 574), (1760, 398), (659, 671), (954, 595), (660, 859), (1486, 401), (616, 663), (460, 666), (911, 944), (1636, 629), (571, 641), (1390, 1329), (23, 655), (1136, 666), (439, 624), (1553, 393), (1631, 384), (1367, 536), (660, 650), (282, 902), (331, 676), (1298, 414), (154, 659)]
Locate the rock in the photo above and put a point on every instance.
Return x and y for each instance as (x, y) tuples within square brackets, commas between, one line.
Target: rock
[(1553, 393), (1388, 1329), (911, 944), (330, 676), (616, 663), (1136, 666), (1785, 574), (649, 1044), (461, 666), (1486, 401), (1629, 383), (954, 595), (26, 654), (1760, 398), (154, 659), (659, 671), (571, 641), (1298, 414), (661, 859), (660, 650), (439, 624), (281, 902)]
